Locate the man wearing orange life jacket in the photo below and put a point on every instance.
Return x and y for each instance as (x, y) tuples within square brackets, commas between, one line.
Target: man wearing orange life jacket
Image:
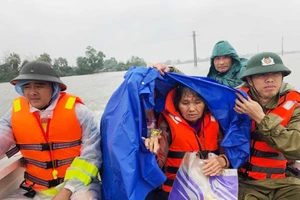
[(187, 126), (56, 134), (273, 106)]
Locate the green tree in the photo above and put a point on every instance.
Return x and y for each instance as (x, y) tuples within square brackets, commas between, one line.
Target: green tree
[(121, 66), (7, 76), (135, 61), (59, 63), (13, 60), (45, 57), (4, 68), (92, 62), (62, 67), (66, 71), (95, 59), (83, 66), (24, 63), (111, 64)]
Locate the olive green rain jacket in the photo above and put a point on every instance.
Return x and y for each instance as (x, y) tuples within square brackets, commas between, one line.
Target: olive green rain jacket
[(233, 75), (284, 139)]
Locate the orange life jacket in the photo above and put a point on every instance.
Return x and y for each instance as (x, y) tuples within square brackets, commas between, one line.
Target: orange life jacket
[(185, 139), (265, 161), (47, 153)]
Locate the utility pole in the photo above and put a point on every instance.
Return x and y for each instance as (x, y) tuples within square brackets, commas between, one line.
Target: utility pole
[(282, 46), (195, 49)]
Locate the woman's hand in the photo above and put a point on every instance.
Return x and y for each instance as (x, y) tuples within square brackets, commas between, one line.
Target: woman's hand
[(152, 143), (213, 165)]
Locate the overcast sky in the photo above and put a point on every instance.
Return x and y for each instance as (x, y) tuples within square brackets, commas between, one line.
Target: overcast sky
[(156, 30)]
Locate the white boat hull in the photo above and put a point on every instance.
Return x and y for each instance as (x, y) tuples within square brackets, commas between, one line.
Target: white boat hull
[(11, 174)]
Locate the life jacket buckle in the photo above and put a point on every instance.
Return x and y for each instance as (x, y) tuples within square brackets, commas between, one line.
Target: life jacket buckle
[(294, 168), (46, 146), (23, 161), (30, 192)]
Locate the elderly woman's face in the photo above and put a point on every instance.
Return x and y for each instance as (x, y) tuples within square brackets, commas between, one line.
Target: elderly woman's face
[(191, 107)]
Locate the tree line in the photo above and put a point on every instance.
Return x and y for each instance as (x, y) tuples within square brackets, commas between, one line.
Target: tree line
[(93, 62)]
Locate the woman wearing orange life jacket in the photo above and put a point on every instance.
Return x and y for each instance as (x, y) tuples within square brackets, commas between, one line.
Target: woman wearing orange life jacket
[(187, 126)]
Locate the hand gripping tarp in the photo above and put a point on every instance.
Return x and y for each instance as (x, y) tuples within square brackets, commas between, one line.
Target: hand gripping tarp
[(130, 171)]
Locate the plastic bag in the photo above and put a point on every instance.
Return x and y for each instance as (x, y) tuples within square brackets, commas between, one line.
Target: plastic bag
[(191, 183)]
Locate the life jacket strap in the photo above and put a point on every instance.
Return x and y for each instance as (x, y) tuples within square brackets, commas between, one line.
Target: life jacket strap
[(264, 154), (267, 170), (169, 182), (180, 154), (176, 154), (163, 194), (172, 170), (12, 151), (48, 164), (42, 147), (46, 183)]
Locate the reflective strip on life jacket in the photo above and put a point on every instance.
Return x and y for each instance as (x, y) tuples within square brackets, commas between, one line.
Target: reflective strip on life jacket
[(42, 147), (12, 151), (46, 183), (17, 105), (49, 164), (70, 103)]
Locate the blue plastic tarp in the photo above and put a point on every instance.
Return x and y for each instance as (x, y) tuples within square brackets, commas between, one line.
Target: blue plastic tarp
[(129, 170)]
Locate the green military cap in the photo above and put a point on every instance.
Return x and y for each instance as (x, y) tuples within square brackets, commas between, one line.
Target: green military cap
[(265, 62)]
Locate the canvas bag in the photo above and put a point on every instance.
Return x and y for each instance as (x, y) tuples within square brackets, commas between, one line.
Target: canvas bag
[(191, 183)]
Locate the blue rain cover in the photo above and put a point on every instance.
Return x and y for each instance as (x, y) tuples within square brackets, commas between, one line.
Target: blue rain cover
[(129, 170)]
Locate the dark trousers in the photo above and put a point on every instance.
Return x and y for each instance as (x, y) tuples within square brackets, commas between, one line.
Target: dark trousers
[(157, 194)]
